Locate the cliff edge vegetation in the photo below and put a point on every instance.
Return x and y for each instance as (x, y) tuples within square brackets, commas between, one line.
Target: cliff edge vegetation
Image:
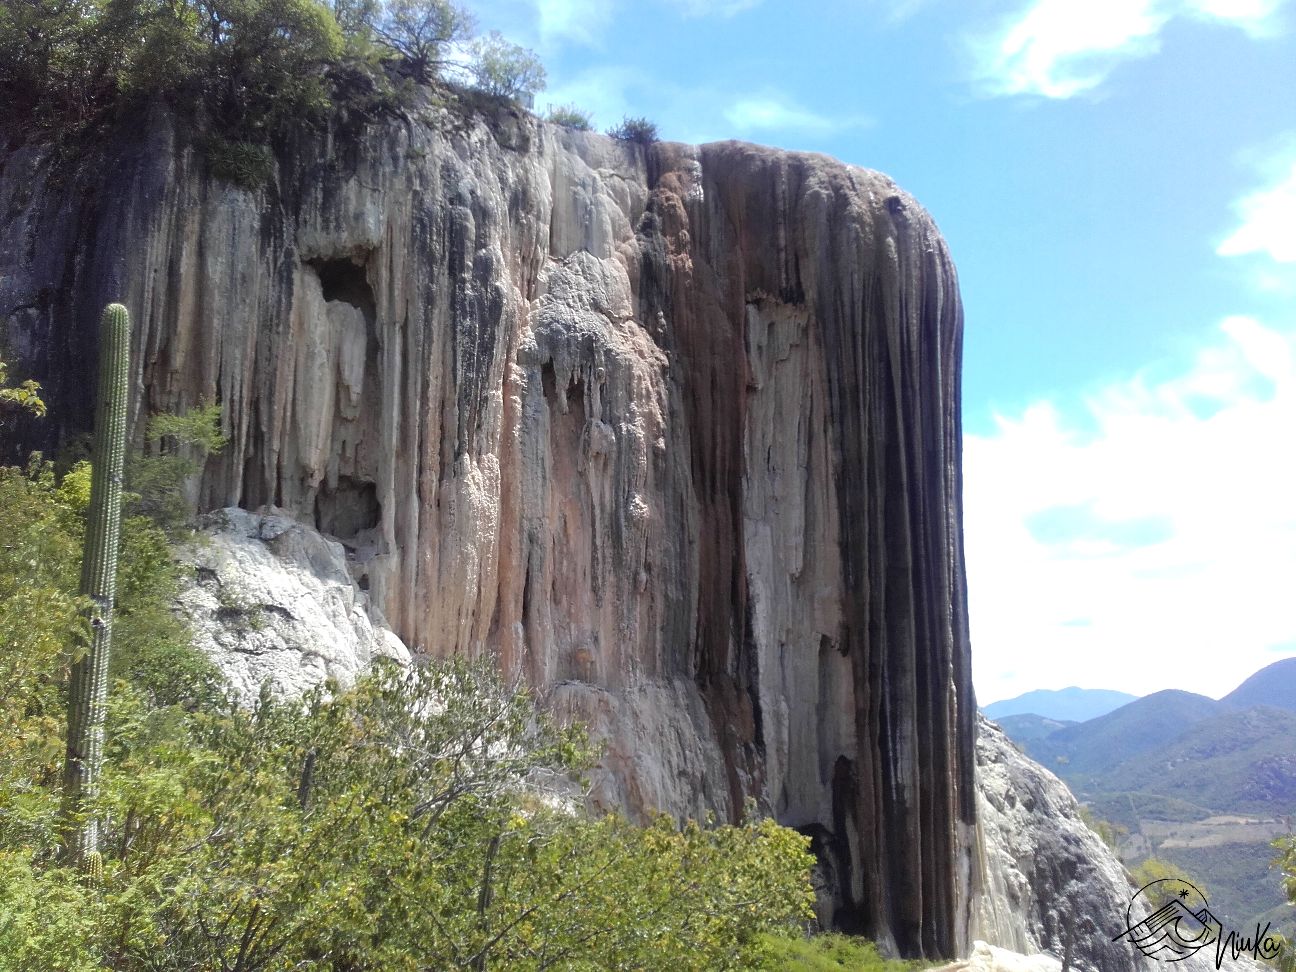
[(246, 69)]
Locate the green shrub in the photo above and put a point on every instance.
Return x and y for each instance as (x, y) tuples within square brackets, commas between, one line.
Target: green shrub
[(159, 482), (827, 953), (639, 130), (569, 116), (504, 69), (24, 397), (412, 822), (252, 65), (245, 164)]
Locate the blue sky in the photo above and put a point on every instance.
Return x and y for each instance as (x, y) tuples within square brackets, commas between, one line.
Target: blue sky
[(1117, 183)]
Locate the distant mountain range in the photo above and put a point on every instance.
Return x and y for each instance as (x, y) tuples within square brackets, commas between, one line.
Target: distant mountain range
[(1068, 704), (1273, 685), (1235, 754), (1204, 783)]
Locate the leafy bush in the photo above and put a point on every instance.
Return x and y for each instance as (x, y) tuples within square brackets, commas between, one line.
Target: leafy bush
[(253, 65), (504, 69), (827, 953), (246, 164), (160, 482), (639, 130), (24, 397), (1155, 869), (1109, 833), (224, 851), (569, 116)]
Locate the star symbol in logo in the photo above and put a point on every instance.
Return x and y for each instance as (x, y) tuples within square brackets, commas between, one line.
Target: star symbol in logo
[(1183, 893)]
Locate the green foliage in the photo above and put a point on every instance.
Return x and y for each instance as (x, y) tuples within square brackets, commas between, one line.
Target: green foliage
[(23, 398), (246, 164), (264, 62), (1110, 833), (826, 953), (419, 32), (413, 822), (427, 818), (569, 116), (638, 130), (1243, 888), (1157, 869), (504, 69), (160, 481), (252, 65), (42, 618), (1285, 863)]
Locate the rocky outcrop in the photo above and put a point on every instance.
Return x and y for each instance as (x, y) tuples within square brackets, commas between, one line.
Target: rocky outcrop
[(272, 601), (988, 958), (673, 431), (1044, 881)]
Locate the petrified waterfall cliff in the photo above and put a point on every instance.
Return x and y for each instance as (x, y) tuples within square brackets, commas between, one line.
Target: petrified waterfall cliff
[(674, 431)]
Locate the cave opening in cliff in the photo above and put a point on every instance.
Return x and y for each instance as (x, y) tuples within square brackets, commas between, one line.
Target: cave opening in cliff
[(347, 509), (345, 280)]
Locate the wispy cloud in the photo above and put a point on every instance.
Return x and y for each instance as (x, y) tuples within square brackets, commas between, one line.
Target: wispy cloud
[(1161, 513), (585, 22), (572, 21), (774, 112), (1062, 48), (1268, 222)]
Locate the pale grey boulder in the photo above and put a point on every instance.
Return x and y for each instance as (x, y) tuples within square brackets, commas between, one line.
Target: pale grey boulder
[(271, 600)]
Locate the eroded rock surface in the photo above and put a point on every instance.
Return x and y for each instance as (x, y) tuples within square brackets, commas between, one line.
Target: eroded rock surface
[(1045, 882), (673, 431), (273, 601), (988, 958)]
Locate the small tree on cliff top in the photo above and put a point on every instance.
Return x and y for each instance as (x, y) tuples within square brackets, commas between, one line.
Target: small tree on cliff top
[(505, 69), (420, 32)]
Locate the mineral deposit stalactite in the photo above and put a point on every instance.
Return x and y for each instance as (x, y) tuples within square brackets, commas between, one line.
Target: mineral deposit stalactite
[(673, 431)]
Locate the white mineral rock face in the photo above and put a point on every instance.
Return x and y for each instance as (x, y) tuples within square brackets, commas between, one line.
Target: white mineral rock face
[(672, 431), (989, 958), (272, 601), (1047, 883)]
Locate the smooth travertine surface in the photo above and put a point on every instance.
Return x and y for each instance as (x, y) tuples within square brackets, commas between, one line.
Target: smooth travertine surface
[(673, 431)]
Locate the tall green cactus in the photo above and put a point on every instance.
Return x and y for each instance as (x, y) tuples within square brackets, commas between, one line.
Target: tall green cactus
[(88, 693)]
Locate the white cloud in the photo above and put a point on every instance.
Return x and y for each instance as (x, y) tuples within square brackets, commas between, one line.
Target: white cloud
[(1062, 48), (1155, 550), (770, 111), (586, 21), (1268, 222), (1258, 18), (578, 21)]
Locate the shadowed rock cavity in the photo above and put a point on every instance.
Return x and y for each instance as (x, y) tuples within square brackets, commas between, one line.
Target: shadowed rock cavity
[(673, 431)]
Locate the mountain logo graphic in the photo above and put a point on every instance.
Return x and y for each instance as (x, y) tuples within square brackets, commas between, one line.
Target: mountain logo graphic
[(1170, 920)]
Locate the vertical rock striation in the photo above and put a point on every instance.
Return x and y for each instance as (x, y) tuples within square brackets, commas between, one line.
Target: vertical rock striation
[(674, 431)]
